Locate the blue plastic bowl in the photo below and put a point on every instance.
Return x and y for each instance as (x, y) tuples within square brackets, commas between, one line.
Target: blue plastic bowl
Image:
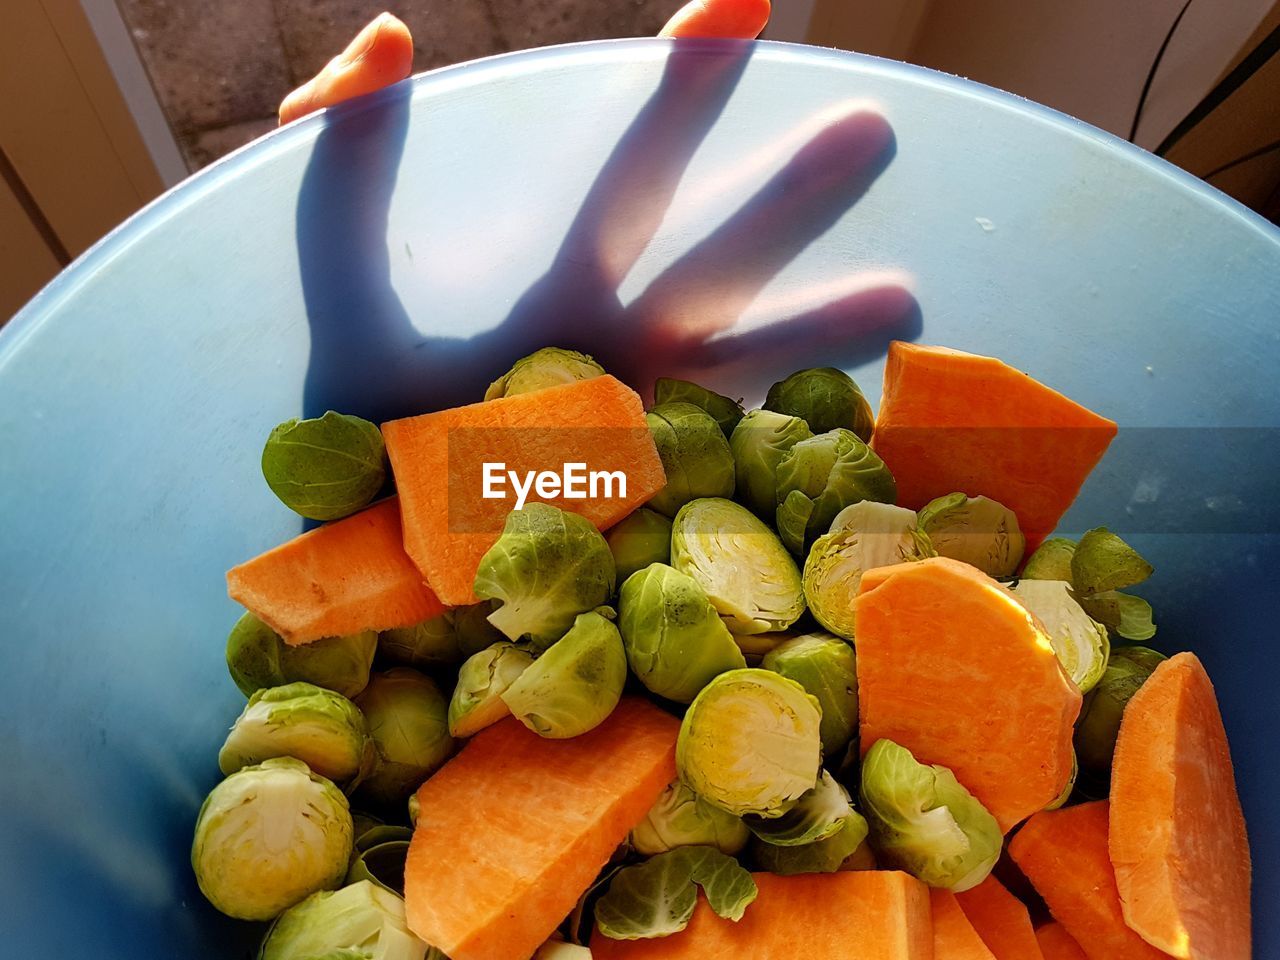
[(628, 198)]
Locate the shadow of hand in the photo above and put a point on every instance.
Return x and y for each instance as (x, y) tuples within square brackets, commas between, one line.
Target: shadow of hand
[(367, 357)]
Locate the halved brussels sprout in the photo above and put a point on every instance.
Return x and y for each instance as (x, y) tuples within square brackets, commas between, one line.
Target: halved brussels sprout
[(482, 680), (548, 367), (827, 669), (574, 686), (821, 476), (656, 898), (323, 729), (674, 639), (327, 468), (825, 856), (559, 950), (447, 638), (359, 921), (258, 657), (976, 531), (750, 743), (1081, 643), (1103, 708), (1051, 561), (546, 568), (825, 398), (1103, 562), (695, 456), (642, 538), (726, 412), (818, 815), (1128, 616), (739, 562), (863, 536), (924, 822), (408, 721), (268, 836), (755, 645), (681, 818), (759, 442)]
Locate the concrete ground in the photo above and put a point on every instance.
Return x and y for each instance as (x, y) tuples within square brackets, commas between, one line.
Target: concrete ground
[(220, 67)]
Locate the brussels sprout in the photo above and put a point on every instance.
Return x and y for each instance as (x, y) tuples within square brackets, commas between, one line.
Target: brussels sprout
[(819, 814), (414, 807), (827, 669), (268, 836), (1103, 562), (695, 456), (1081, 643), (559, 950), (724, 411), (1103, 708), (380, 834), (656, 898), (408, 721), (321, 728), (574, 686), (681, 818), (548, 367), (825, 398), (1061, 799), (258, 657), (382, 864), (759, 442), (642, 538), (482, 680), (1051, 561), (359, 921), (821, 476), (447, 638), (824, 856), (924, 822), (546, 568), (1128, 616), (325, 469), (755, 645), (674, 639), (863, 536), (750, 743), (739, 562), (976, 531)]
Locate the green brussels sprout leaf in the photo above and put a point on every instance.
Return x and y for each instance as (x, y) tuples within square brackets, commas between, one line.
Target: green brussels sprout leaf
[(827, 669), (1102, 562), (1127, 615), (974, 530), (548, 367), (825, 398), (327, 468), (1103, 708), (831, 471), (382, 864), (641, 538), (726, 412), (695, 456), (323, 729), (408, 721), (680, 818), (863, 536), (574, 686), (1081, 643), (674, 639), (482, 680), (258, 657), (546, 568), (925, 822), (268, 836), (824, 856), (740, 563), (818, 815), (759, 442), (656, 898), (358, 922), (724, 756), (1051, 561), (1144, 657)]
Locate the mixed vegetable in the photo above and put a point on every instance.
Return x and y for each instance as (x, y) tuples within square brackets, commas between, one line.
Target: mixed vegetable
[(801, 677)]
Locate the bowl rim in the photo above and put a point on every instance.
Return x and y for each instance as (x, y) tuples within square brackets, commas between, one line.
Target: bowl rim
[(29, 317)]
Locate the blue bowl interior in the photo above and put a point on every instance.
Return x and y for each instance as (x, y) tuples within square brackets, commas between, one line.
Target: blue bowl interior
[(632, 199)]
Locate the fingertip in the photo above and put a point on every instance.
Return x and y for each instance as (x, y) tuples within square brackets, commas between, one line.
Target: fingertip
[(732, 19)]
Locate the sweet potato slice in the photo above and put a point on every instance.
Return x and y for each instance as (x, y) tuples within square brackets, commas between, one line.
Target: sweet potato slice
[(1001, 921), (1057, 944), (954, 937)]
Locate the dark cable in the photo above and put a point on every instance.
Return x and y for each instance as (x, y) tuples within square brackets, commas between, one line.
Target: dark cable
[(1251, 155), (1151, 74)]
